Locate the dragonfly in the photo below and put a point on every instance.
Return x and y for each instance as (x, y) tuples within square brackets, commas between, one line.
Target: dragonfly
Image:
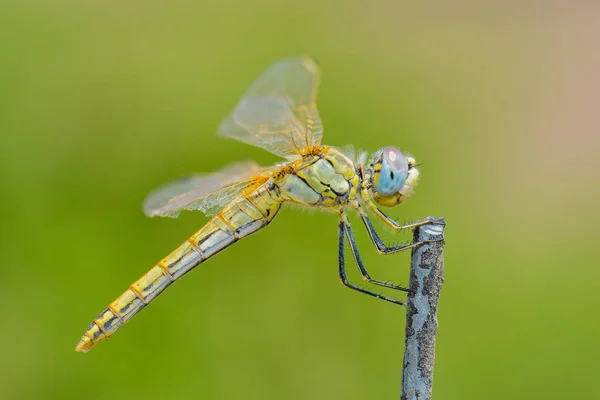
[(279, 114)]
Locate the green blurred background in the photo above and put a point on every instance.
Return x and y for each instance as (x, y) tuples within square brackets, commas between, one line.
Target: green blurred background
[(100, 103)]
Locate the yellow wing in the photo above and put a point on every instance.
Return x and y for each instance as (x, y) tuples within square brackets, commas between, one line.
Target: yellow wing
[(208, 193), (279, 111)]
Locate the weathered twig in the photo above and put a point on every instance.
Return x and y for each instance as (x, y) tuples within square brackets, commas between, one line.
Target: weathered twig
[(426, 278)]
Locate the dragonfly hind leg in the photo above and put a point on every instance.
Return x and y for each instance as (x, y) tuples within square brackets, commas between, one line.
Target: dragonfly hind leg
[(361, 266), (342, 229)]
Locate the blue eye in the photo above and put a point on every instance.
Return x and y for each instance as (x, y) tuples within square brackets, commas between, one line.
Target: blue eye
[(394, 169)]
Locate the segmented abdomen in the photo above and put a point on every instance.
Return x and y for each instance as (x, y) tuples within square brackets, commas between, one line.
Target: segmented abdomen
[(238, 219)]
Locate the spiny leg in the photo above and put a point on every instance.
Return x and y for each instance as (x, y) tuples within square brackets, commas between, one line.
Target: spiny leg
[(382, 247), (342, 270), (361, 266), (395, 225)]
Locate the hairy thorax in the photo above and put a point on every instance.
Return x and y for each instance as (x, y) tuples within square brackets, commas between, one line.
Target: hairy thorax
[(324, 178)]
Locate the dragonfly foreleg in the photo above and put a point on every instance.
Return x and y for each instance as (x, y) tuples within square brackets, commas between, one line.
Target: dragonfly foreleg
[(395, 225), (342, 269), (384, 249)]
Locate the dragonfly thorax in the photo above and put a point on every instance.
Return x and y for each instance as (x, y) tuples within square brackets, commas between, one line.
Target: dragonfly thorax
[(326, 180)]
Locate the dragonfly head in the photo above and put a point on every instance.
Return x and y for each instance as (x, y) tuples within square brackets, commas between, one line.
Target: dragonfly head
[(393, 176)]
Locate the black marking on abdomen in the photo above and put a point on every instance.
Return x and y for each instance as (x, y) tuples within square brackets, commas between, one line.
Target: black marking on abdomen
[(206, 237)]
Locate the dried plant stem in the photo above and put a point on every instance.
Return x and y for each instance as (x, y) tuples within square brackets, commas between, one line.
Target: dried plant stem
[(426, 278)]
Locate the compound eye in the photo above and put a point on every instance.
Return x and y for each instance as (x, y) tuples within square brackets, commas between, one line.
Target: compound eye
[(394, 169)]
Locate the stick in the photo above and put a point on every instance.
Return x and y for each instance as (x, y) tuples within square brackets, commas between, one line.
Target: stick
[(426, 278)]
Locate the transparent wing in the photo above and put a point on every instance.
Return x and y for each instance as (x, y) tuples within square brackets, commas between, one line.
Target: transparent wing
[(207, 193), (279, 111)]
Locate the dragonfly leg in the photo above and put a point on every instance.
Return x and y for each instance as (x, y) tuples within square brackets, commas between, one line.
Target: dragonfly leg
[(342, 269), (389, 221), (361, 266), (382, 248)]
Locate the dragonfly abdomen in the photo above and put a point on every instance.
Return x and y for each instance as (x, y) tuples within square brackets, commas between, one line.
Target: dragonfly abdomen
[(240, 218)]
